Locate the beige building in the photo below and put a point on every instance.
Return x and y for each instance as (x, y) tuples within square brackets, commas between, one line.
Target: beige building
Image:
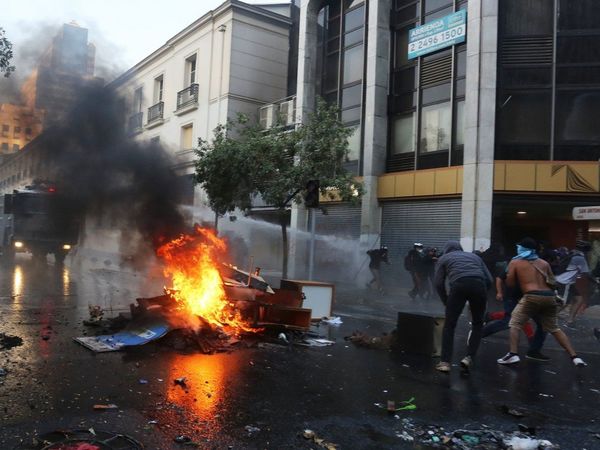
[(232, 60), (18, 126)]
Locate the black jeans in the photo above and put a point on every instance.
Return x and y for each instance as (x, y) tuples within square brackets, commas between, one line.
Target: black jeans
[(467, 289)]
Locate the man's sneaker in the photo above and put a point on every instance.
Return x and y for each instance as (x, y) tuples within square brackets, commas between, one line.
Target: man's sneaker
[(537, 356), (509, 358), (443, 367), (466, 363), (579, 362)]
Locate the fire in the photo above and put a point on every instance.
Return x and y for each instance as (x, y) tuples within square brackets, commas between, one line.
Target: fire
[(192, 264)]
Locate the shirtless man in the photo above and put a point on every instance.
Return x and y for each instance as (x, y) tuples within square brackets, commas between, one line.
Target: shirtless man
[(528, 271)]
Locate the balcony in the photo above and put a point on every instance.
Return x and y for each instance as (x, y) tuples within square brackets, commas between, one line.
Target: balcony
[(135, 123), (156, 115), (187, 99), (281, 113)]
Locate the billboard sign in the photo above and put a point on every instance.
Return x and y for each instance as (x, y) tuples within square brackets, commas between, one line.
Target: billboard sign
[(440, 33)]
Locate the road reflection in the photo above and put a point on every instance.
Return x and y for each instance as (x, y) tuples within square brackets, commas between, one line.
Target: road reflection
[(204, 390), (17, 286)]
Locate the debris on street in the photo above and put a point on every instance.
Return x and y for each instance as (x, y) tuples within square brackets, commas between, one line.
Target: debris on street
[(465, 439), (105, 407), (334, 320), (7, 341), (312, 436), (383, 342)]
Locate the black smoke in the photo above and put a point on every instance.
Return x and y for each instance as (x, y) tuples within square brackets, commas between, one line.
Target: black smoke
[(100, 171)]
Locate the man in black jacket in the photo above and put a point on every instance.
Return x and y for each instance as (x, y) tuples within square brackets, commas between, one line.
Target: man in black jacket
[(469, 280)]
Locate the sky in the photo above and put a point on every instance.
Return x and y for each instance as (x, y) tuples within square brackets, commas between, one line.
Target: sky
[(124, 31)]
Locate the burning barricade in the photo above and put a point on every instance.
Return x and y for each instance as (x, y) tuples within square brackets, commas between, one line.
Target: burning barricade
[(209, 303)]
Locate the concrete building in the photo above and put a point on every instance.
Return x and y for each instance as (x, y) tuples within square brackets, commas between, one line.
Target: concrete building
[(18, 126), (487, 137), (231, 60)]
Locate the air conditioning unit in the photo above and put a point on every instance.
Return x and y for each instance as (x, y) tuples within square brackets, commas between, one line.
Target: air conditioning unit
[(287, 111), (267, 116)]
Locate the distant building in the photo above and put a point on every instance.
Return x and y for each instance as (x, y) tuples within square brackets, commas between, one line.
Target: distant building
[(66, 67)]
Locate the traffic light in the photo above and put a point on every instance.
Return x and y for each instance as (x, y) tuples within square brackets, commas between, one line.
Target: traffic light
[(311, 197)]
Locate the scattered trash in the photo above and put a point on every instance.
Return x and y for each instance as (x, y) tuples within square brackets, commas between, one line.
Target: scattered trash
[(251, 430), (96, 313), (83, 439), (546, 395), (7, 341), (315, 342), (283, 337), (391, 406), (512, 411), (312, 436), (597, 436), (3, 372), (143, 381), (550, 372), (405, 436), (152, 422), (334, 320), (105, 407), (430, 436), (527, 443), (182, 439), (180, 381), (595, 390), (377, 342)]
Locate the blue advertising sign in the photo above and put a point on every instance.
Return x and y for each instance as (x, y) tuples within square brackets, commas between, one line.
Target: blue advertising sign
[(440, 33)]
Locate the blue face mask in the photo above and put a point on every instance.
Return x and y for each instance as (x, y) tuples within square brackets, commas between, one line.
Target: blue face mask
[(525, 253)]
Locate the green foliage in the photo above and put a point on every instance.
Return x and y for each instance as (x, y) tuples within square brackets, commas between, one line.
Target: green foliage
[(243, 160), (6, 55)]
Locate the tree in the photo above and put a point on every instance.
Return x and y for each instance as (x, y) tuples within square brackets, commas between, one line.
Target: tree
[(6, 55), (244, 160)]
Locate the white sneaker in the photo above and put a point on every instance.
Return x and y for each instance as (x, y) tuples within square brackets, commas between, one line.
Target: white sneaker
[(466, 363), (579, 362), (509, 359)]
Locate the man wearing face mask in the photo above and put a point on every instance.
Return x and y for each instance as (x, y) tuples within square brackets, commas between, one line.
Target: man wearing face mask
[(532, 274)]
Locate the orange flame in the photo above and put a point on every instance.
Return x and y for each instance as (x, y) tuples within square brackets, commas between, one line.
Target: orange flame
[(192, 262)]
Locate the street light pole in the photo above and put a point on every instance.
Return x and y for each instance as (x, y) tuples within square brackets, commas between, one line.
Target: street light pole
[(311, 251)]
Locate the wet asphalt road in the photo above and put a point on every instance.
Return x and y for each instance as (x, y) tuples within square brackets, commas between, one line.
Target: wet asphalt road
[(52, 382)]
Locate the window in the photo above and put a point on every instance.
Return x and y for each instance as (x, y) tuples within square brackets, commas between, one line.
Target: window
[(403, 134), (5, 146), (354, 19), (5, 129), (17, 131), (576, 116), (351, 96), (524, 117), (190, 70), (158, 89), (435, 128), (433, 5), (353, 64), (28, 131), (526, 17), (578, 15), (16, 147), (137, 100), (186, 137), (459, 130), (354, 145)]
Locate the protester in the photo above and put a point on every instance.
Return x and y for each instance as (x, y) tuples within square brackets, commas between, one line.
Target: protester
[(510, 298), (469, 281), (413, 262), (578, 281), (377, 256), (427, 271), (533, 276)]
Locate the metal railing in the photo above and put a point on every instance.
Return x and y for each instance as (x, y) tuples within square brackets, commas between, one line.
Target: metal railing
[(135, 122), (188, 96), (155, 112)]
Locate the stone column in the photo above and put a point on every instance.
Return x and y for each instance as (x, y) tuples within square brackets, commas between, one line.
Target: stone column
[(480, 117), (305, 103), (375, 119)]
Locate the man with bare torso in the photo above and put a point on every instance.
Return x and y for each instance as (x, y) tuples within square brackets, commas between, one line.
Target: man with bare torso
[(529, 272)]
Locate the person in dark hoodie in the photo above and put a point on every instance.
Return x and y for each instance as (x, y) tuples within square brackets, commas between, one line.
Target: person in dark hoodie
[(469, 281)]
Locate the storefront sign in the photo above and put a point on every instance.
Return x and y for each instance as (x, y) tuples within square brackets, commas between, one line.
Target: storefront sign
[(440, 33), (586, 213)]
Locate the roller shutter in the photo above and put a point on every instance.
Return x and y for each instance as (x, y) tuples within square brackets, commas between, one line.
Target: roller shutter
[(342, 220), (431, 222)]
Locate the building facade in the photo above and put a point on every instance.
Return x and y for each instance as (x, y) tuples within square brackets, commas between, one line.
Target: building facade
[(488, 137), (232, 60)]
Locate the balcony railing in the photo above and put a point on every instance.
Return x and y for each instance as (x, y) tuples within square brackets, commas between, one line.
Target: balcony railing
[(187, 97), (135, 122), (155, 112)]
